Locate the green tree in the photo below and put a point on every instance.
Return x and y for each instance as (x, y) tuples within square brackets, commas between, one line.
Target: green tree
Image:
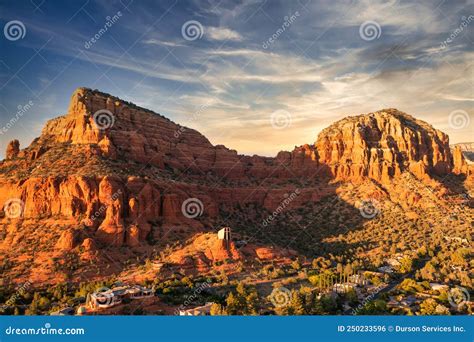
[(296, 303), (233, 305), (406, 264), (217, 310), (428, 272), (348, 269), (243, 302), (428, 307), (296, 264), (376, 307)]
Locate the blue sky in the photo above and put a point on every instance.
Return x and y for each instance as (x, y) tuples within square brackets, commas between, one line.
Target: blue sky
[(229, 81)]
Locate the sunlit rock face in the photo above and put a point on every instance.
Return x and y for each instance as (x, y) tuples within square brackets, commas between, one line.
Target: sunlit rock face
[(382, 145), (119, 169)]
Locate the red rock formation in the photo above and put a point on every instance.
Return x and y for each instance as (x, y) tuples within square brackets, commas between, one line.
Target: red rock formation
[(112, 231), (130, 168), (67, 240), (378, 145), (382, 145), (133, 236), (89, 245), (222, 250), (460, 164), (13, 149)]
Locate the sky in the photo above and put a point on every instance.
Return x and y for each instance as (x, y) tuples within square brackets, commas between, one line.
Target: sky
[(258, 76)]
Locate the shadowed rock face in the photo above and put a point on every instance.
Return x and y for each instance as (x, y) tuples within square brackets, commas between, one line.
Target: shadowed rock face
[(119, 168), (13, 149)]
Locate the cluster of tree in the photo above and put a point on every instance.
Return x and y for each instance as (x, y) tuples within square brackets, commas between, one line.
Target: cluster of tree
[(431, 307), (410, 286), (243, 301), (305, 301), (373, 307), (448, 265)]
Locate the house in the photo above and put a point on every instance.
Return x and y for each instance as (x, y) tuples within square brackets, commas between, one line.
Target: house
[(64, 312), (107, 298), (138, 291), (342, 287), (358, 279), (408, 301), (204, 310), (393, 262), (386, 269), (102, 300), (438, 287), (392, 303)]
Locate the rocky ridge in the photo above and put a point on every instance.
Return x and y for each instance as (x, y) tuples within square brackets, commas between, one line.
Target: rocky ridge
[(119, 170)]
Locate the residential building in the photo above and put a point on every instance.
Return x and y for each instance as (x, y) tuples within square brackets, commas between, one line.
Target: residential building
[(197, 311), (64, 312), (438, 287), (107, 298)]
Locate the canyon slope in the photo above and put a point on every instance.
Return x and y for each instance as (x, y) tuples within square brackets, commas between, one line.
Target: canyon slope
[(109, 182)]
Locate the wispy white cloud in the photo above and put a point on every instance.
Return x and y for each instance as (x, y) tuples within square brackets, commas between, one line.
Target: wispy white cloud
[(222, 33), (158, 42), (319, 71)]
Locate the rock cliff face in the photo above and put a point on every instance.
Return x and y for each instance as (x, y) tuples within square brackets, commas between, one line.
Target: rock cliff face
[(377, 145), (13, 149), (463, 158), (122, 130), (119, 170), (382, 145)]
